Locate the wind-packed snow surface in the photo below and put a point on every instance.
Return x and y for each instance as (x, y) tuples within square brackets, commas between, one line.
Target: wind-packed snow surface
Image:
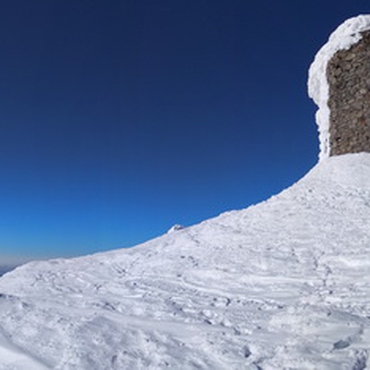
[(346, 35), (284, 284)]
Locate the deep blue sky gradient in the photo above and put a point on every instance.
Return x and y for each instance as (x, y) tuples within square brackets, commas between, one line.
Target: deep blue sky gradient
[(119, 119)]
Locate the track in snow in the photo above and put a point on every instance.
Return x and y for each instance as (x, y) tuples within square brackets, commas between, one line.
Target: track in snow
[(12, 357)]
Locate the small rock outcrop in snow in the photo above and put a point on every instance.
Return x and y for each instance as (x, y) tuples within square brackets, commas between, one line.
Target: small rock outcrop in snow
[(339, 84), (174, 228)]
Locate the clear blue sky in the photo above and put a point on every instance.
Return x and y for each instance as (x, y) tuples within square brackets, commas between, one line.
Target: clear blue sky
[(121, 118)]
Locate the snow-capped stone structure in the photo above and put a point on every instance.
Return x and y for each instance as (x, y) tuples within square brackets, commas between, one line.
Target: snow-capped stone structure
[(348, 75), (339, 83)]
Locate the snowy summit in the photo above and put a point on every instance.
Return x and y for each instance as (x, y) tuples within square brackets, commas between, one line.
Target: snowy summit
[(284, 284), (281, 285)]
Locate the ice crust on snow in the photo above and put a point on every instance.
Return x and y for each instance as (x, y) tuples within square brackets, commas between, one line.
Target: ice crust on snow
[(346, 35), (284, 284)]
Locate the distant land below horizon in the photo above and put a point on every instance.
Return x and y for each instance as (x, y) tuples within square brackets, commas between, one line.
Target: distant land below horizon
[(7, 268)]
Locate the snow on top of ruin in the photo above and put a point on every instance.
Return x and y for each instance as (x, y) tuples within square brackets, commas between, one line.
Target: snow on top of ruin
[(346, 35)]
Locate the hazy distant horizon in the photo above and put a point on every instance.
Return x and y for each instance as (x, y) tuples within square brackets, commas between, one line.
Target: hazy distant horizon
[(6, 268)]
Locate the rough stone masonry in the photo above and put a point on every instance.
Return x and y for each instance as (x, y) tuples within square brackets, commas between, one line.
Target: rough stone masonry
[(348, 74)]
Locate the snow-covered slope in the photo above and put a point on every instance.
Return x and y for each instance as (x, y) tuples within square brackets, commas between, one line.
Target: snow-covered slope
[(281, 285)]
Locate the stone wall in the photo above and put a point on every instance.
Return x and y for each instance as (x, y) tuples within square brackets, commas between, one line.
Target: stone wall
[(348, 74)]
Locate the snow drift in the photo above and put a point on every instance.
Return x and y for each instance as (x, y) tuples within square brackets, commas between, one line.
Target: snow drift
[(284, 284)]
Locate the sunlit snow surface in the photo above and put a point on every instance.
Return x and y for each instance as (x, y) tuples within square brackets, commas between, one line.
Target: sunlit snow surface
[(281, 285), (346, 35)]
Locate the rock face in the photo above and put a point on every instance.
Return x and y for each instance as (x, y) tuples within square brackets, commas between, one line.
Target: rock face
[(348, 75)]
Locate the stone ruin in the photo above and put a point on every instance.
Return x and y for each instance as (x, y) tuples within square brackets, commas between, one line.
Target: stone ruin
[(339, 83), (348, 77)]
